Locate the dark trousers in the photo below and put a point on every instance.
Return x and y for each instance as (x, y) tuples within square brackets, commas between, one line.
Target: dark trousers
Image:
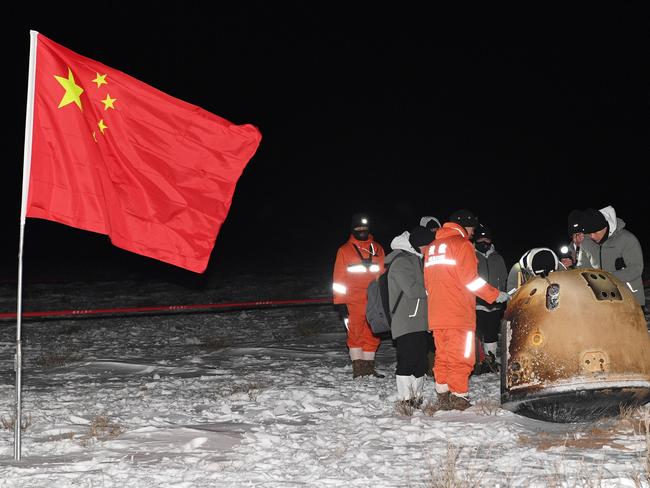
[(488, 324), (412, 352)]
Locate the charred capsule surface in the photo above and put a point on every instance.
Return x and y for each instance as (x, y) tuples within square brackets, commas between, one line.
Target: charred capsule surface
[(575, 347)]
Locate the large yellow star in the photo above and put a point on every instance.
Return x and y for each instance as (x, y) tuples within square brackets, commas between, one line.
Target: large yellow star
[(72, 90), (100, 80), (108, 102), (102, 126)]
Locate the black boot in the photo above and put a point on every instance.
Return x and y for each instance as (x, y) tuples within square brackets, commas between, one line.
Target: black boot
[(457, 402), (491, 363), (358, 368), (442, 401), (371, 371)]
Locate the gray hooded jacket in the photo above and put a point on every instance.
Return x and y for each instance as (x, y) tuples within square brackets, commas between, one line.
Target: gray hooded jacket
[(621, 245), (406, 275), (492, 268)]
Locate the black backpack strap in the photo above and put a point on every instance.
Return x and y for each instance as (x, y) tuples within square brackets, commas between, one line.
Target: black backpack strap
[(401, 292), (399, 298)]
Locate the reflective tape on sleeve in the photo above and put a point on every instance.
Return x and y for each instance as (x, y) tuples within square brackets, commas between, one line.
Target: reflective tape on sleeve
[(439, 259), (476, 284), (339, 288), (357, 268)]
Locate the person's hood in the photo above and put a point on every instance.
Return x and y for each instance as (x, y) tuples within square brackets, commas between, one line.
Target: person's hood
[(402, 243), (610, 216), (450, 229)]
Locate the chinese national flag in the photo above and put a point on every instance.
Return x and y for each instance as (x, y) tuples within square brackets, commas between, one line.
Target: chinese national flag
[(113, 155)]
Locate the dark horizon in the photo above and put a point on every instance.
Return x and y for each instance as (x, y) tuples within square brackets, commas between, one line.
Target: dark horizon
[(356, 118)]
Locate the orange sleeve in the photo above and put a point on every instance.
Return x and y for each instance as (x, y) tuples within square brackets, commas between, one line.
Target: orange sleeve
[(339, 285), (467, 267)]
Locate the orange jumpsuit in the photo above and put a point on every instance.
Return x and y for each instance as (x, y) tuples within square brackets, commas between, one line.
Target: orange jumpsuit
[(452, 283), (352, 274)]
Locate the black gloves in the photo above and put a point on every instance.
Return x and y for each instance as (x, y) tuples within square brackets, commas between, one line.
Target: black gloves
[(619, 264), (342, 310)]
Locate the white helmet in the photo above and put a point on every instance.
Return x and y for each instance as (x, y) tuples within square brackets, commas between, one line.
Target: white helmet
[(430, 223), (539, 261)]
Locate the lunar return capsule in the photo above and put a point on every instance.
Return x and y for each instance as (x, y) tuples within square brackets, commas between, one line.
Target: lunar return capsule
[(574, 347)]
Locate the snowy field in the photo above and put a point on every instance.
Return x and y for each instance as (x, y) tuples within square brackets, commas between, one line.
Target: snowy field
[(260, 397)]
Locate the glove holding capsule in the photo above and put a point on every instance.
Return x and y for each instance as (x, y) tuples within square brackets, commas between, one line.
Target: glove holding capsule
[(503, 297)]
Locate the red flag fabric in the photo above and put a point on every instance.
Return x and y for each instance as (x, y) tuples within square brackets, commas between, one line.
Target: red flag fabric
[(113, 155)]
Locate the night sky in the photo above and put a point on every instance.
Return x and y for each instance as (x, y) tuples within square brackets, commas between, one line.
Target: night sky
[(377, 111)]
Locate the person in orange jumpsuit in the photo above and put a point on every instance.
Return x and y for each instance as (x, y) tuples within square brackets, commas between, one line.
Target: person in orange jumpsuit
[(452, 283), (358, 262)]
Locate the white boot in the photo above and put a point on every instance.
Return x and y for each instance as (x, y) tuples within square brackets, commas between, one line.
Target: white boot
[(417, 387), (403, 387)]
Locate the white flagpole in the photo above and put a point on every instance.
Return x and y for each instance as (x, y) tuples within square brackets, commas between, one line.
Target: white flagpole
[(27, 164)]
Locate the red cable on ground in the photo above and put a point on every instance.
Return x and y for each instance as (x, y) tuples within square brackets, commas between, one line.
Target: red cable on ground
[(170, 308)]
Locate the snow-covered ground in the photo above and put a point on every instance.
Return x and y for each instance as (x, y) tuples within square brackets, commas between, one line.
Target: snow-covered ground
[(260, 397)]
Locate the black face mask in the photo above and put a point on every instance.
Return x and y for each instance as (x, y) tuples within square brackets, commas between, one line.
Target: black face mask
[(361, 235), (483, 246)]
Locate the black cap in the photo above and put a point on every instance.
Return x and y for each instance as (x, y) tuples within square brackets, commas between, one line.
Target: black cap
[(575, 222), (592, 221), (421, 236), (464, 217), (482, 231), (360, 220)]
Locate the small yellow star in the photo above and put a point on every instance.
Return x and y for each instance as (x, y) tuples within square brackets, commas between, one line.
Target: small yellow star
[(100, 80), (108, 102), (101, 126), (72, 90), (94, 136)]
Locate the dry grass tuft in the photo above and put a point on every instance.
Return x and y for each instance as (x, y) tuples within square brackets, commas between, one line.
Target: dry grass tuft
[(634, 419), (447, 475), (102, 429), (643, 479), (488, 406), (62, 437), (405, 409), (429, 408), (627, 412), (10, 423), (587, 476)]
